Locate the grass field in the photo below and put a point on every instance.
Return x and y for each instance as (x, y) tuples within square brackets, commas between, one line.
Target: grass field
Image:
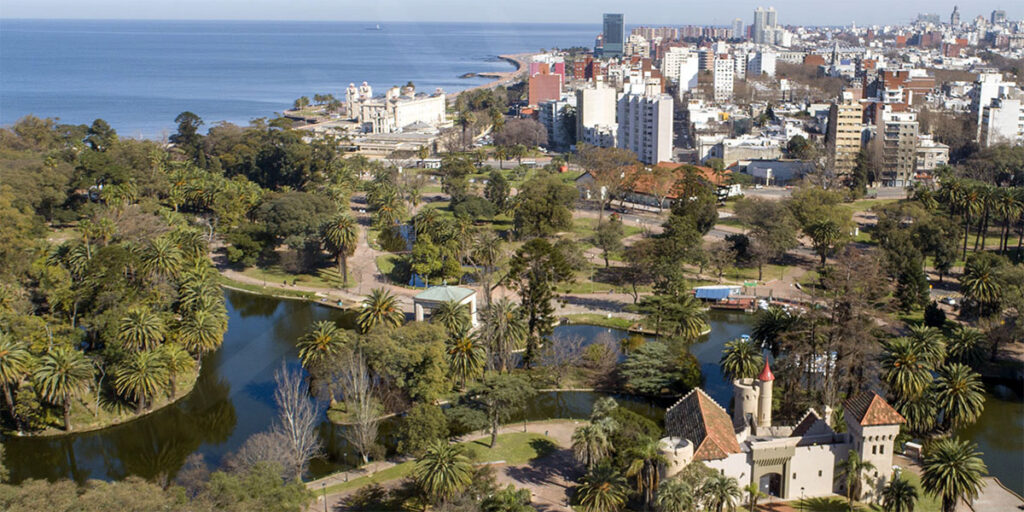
[(514, 448), (601, 320), (266, 290), (327, 277)]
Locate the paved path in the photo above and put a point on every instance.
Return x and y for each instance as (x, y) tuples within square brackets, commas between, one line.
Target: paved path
[(548, 477)]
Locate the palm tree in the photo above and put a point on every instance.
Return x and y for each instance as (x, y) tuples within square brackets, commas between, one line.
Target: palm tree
[(905, 369), (443, 470), (959, 394), (15, 365), (341, 234), (140, 329), (769, 324), (603, 490), (720, 493), (465, 120), (198, 292), (1007, 207), (674, 495), (644, 461), (162, 257), (851, 471), (899, 495), (379, 308), (964, 345), (320, 344), (454, 317), (465, 356), (503, 331), (952, 471), (754, 495), (141, 377), (980, 283), (200, 332), (687, 315), (177, 360), (741, 360), (929, 343), (63, 373), (920, 412), (501, 154), (590, 445)]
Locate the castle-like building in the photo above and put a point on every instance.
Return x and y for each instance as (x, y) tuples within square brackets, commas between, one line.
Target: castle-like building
[(788, 462), (400, 109)]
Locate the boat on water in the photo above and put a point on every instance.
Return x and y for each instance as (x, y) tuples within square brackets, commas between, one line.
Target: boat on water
[(377, 27)]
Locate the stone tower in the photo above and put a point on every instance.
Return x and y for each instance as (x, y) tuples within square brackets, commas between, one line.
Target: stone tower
[(745, 397), (764, 400)]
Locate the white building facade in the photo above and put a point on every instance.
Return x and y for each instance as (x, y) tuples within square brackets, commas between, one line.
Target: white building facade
[(645, 126)]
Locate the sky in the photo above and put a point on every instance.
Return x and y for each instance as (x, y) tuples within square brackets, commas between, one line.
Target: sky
[(648, 12)]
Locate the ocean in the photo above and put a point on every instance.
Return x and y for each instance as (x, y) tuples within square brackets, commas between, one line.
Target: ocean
[(139, 75)]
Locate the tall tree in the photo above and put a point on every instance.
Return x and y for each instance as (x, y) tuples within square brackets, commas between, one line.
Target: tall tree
[(63, 373), (590, 444), (899, 495), (142, 376), (645, 459), (741, 360), (141, 329), (611, 169), (719, 493), (321, 344), (952, 471), (340, 235), (499, 397), (603, 490), (502, 331), (443, 470), (960, 395), (465, 355), (851, 471), (535, 271), (380, 308), (15, 365)]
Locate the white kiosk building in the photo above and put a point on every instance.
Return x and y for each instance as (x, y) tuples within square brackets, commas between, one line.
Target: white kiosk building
[(429, 299)]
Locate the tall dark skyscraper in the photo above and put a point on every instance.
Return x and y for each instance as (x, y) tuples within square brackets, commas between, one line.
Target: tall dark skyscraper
[(614, 35)]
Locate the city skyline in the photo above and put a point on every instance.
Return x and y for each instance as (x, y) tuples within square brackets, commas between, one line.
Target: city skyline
[(661, 12)]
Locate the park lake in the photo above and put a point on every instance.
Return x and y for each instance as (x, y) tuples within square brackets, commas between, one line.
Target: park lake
[(233, 399)]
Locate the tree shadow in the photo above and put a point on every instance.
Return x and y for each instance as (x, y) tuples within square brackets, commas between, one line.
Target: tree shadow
[(543, 447)]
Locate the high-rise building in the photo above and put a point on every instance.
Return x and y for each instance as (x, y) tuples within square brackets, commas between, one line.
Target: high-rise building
[(737, 29), (645, 126), (614, 35), (843, 135), (898, 133), (765, 21), (1002, 121), (544, 87), (680, 65), (998, 16), (553, 115), (762, 63), (724, 70), (954, 19), (988, 87), (595, 115)]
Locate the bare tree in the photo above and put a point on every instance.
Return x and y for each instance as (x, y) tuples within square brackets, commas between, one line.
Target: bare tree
[(271, 446), (600, 358), (297, 419), (560, 355), (358, 390)]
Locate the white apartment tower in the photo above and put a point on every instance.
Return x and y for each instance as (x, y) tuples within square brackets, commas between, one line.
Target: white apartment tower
[(595, 115), (724, 70), (681, 65), (1002, 121), (645, 126)]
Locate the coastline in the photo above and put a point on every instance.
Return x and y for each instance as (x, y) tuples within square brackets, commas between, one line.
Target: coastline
[(519, 60)]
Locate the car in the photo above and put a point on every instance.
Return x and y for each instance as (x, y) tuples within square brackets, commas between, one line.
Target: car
[(948, 300)]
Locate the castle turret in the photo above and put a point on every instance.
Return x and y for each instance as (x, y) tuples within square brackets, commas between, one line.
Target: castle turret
[(764, 402), (745, 399)]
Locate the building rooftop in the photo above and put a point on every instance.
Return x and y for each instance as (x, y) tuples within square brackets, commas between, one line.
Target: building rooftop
[(870, 409), (698, 418), (444, 294)]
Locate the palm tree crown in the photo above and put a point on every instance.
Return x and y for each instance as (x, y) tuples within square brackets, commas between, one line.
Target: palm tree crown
[(741, 360), (140, 329), (899, 495), (952, 470), (63, 373), (959, 394), (590, 444), (380, 308), (321, 343), (603, 490), (443, 470)]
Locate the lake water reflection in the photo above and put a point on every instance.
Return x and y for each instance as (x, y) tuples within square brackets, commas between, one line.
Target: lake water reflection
[(233, 399)]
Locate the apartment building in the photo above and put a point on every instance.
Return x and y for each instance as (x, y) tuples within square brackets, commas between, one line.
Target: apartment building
[(645, 126), (898, 133), (843, 135)]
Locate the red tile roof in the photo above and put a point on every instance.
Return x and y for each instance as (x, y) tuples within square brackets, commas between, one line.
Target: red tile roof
[(766, 373), (870, 409), (697, 418)]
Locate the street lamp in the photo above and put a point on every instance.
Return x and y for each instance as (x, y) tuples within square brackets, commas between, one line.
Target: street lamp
[(323, 488), (801, 499)]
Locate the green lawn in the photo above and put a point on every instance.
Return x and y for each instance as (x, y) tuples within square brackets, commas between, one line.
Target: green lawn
[(601, 320), (327, 277), (864, 205), (513, 448), (266, 290)]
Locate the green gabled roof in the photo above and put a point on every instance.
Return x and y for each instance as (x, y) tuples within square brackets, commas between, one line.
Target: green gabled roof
[(444, 294)]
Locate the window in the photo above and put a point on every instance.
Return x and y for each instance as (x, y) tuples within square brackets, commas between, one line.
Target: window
[(819, 473), (794, 476), (874, 450), (881, 449)]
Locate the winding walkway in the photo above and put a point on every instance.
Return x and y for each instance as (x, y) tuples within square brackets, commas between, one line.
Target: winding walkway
[(548, 478)]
